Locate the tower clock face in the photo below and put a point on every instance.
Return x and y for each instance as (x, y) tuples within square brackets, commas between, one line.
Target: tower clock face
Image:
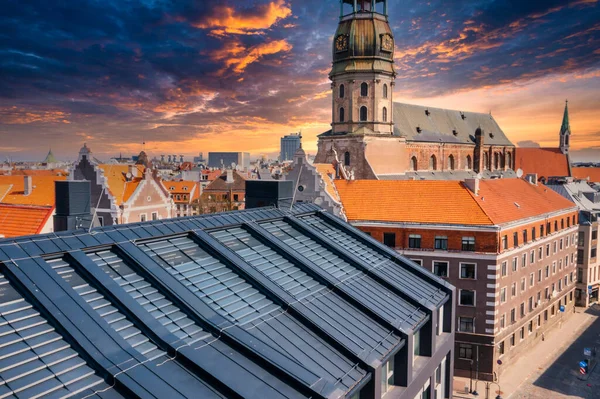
[(341, 43), (387, 43)]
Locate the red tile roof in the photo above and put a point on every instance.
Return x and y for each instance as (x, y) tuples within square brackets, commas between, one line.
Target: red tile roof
[(18, 220), (42, 194), (546, 162), (584, 173), (411, 201), (447, 202), (220, 184), (509, 200)]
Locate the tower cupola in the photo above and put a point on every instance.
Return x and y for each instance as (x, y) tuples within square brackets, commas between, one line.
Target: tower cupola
[(362, 72)]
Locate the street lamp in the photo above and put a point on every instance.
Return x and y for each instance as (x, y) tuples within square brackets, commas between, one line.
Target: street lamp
[(488, 384)]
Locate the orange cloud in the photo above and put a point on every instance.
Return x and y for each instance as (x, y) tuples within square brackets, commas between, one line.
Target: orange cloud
[(226, 20), (237, 57), (20, 116)]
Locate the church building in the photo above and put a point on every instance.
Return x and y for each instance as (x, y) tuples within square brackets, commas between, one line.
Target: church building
[(375, 138)]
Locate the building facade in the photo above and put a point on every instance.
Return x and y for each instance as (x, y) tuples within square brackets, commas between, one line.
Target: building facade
[(185, 194), (376, 138), (314, 183), (587, 198), (508, 246), (221, 160), (289, 145), (122, 193)]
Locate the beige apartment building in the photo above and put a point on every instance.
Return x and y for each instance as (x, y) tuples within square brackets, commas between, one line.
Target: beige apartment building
[(508, 245), (587, 198)]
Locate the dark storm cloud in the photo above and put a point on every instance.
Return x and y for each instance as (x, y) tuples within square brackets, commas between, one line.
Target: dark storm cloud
[(116, 70)]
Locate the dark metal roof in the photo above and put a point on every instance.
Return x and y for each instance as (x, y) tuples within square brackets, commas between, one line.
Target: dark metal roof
[(256, 303)]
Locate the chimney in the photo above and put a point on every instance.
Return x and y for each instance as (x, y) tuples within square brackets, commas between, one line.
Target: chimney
[(229, 176), (532, 178), (473, 185), (28, 185), (133, 170)]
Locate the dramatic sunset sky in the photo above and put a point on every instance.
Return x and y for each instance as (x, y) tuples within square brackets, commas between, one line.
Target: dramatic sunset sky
[(195, 75)]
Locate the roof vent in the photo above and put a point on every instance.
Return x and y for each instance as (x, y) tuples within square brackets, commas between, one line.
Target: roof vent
[(427, 112), (463, 116), (517, 205), (418, 129), (454, 132), (492, 135)]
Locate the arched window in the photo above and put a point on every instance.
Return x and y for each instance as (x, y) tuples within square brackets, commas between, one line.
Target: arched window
[(384, 114), (469, 163), (413, 163), (364, 89), (486, 161), (342, 114), (508, 160), (385, 91), (363, 114), (432, 163), (342, 91), (451, 162), (496, 161), (347, 158)]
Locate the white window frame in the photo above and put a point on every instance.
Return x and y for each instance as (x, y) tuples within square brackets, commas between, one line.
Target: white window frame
[(418, 261), (460, 265), (145, 215), (441, 261)]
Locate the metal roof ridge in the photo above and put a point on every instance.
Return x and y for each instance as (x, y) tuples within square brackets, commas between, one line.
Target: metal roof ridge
[(365, 268)]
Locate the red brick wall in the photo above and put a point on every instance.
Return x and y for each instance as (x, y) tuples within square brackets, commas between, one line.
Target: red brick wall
[(484, 241), (519, 229)]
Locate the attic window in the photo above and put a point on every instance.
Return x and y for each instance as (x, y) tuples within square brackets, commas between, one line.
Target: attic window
[(184, 188), (454, 132), (418, 129), (171, 188), (427, 112), (492, 135), (463, 116)]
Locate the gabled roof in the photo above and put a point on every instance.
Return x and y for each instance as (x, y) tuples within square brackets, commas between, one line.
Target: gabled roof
[(593, 174), (220, 183), (440, 125), (410, 201), (546, 162), (499, 201), (256, 304), (327, 172), (42, 194), (116, 177), (16, 220)]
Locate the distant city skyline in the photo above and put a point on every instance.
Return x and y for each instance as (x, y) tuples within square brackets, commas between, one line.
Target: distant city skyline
[(188, 77)]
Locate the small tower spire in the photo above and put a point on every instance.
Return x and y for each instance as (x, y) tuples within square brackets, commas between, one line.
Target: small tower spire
[(565, 130)]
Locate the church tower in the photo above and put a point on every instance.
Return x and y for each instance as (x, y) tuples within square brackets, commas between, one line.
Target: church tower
[(565, 131), (363, 73)]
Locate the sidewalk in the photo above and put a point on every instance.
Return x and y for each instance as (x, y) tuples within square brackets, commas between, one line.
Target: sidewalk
[(539, 358)]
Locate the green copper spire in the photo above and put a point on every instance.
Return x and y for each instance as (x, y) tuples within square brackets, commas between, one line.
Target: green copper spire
[(565, 131), (565, 127)]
